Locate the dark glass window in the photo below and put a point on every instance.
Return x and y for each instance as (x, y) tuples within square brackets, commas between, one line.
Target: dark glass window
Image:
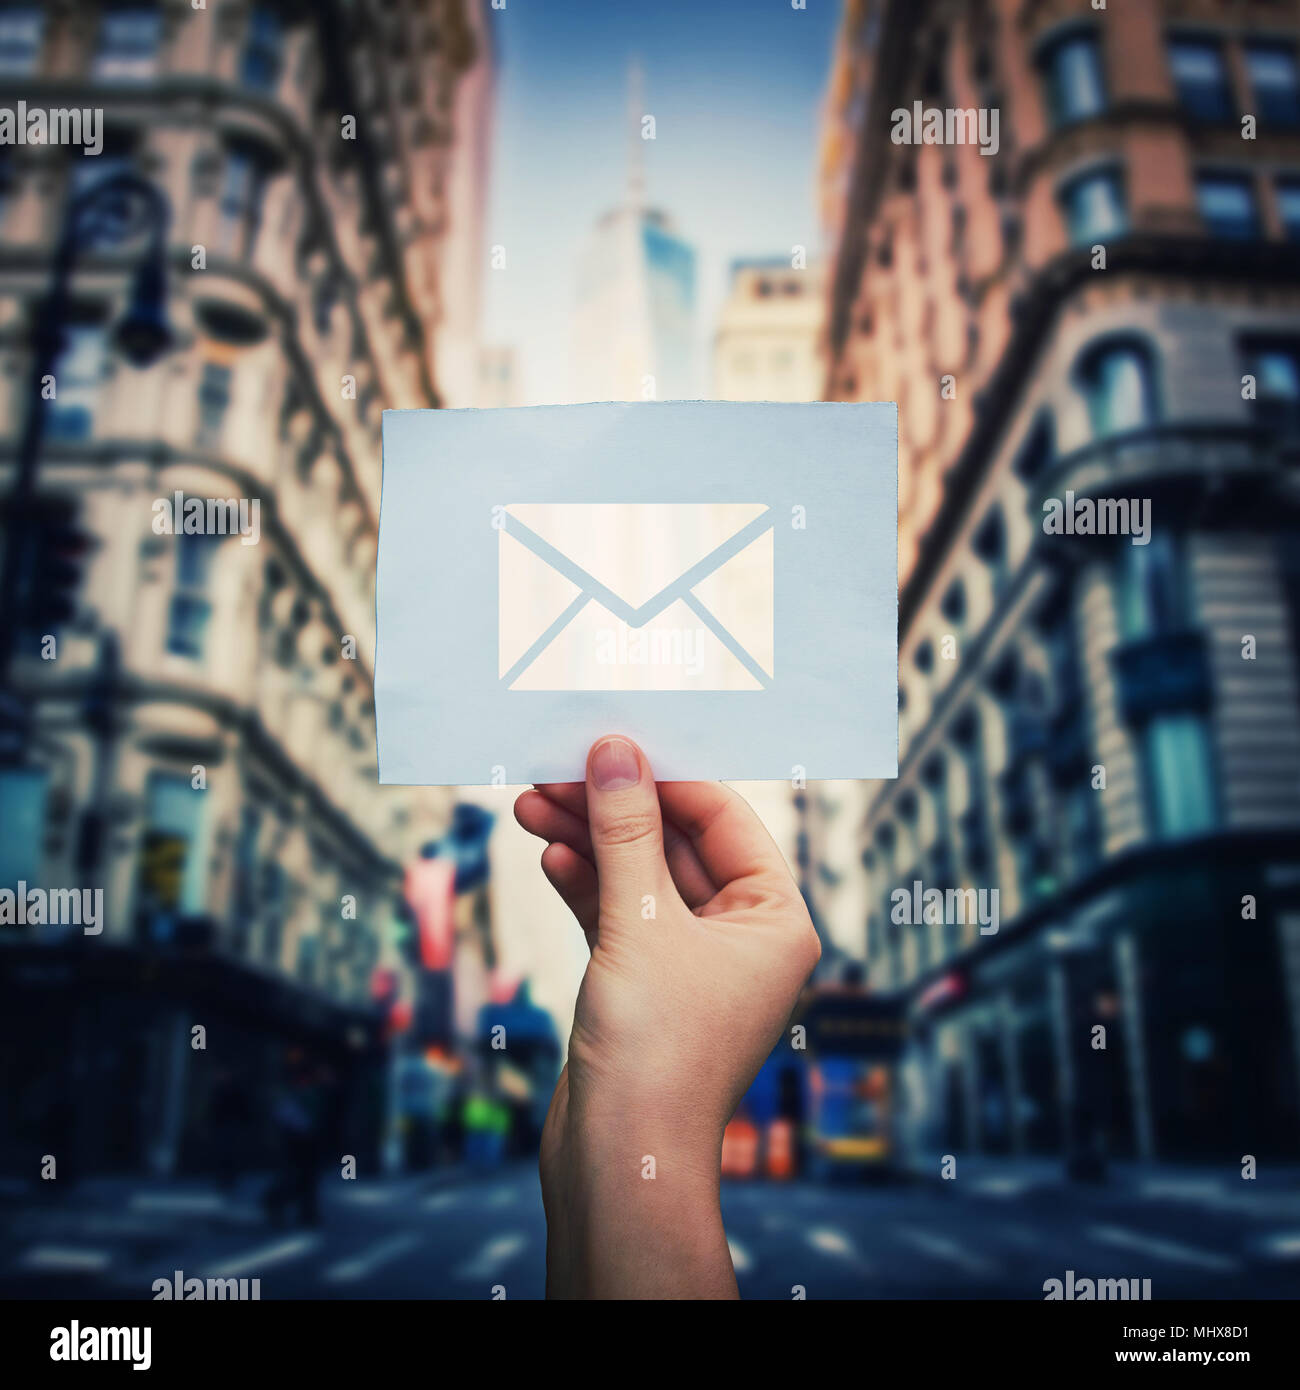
[(1119, 383), (1227, 203), (1201, 78), (1094, 207), (1274, 83), (129, 39), (1288, 206), (263, 57), (1073, 78), (1276, 369)]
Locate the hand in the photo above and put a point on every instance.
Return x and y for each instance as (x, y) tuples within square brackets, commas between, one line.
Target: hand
[(700, 943)]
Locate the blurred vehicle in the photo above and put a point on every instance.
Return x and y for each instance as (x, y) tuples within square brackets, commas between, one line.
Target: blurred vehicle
[(855, 1040), (850, 1123)]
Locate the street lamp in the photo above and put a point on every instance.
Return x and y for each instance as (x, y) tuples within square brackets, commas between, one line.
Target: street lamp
[(112, 211)]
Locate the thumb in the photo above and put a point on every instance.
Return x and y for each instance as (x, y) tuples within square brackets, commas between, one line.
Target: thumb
[(627, 831)]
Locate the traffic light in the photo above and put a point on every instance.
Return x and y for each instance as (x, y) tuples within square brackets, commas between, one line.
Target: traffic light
[(54, 550)]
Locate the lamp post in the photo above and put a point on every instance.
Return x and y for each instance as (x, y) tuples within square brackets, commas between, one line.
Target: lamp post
[(114, 210)]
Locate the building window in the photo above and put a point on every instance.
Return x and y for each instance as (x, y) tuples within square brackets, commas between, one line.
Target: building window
[(263, 58), (1152, 588), (1119, 383), (1288, 207), (240, 207), (1082, 831), (1276, 369), (1180, 774), (953, 605), (173, 866), (990, 544), (1094, 207), (22, 813), (1072, 74), (130, 37), (1201, 78), (1274, 83), (325, 297), (1227, 203), (22, 30), (78, 376), (214, 401), (191, 608), (1036, 454)]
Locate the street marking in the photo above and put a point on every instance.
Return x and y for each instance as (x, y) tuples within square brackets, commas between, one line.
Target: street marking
[(836, 1244), (275, 1253), (1001, 1187), (358, 1266), (1176, 1188), (495, 1255), (1169, 1250), (370, 1196), (440, 1201), (64, 1257), (177, 1201), (504, 1198), (941, 1248), (740, 1260), (1285, 1244)]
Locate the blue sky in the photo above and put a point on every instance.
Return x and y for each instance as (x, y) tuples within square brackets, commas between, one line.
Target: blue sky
[(735, 87)]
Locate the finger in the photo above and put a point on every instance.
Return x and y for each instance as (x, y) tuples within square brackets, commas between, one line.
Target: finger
[(574, 880), (693, 882), (724, 830), (626, 827), (542, 817)]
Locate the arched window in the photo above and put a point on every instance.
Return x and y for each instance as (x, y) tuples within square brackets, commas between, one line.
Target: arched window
[(1072, 76), (1118, 379), (1093, 204), (1036, 454)]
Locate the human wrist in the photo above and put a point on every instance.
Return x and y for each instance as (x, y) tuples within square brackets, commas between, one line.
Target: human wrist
[(634, 1212)]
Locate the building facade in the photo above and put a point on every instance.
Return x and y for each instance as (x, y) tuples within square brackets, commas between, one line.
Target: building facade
[(767, 343), (200, 735), (1091, 325)]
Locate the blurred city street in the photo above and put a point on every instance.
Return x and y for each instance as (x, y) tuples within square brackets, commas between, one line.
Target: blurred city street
[(265, 1018), (999, 1235)]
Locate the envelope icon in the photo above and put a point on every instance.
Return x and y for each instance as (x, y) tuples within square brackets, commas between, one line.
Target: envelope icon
[(636, 596)]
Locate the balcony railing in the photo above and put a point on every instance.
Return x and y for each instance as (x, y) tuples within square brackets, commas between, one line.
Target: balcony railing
[(1139, 458)]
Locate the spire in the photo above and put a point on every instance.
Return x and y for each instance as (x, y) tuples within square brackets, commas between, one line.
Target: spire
[(636, 150)]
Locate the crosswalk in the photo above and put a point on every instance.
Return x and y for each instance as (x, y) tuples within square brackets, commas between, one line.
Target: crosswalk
[(430, 1239)]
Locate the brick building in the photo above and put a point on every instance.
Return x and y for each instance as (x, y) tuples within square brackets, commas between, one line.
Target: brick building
[(1105, 307)]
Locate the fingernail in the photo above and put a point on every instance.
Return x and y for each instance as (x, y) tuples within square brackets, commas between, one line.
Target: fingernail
[(614, 764)]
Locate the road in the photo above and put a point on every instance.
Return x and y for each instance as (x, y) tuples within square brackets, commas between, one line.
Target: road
[(999, 1237)]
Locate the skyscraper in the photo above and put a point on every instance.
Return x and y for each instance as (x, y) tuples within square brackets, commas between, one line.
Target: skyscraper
[(634, 321)]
